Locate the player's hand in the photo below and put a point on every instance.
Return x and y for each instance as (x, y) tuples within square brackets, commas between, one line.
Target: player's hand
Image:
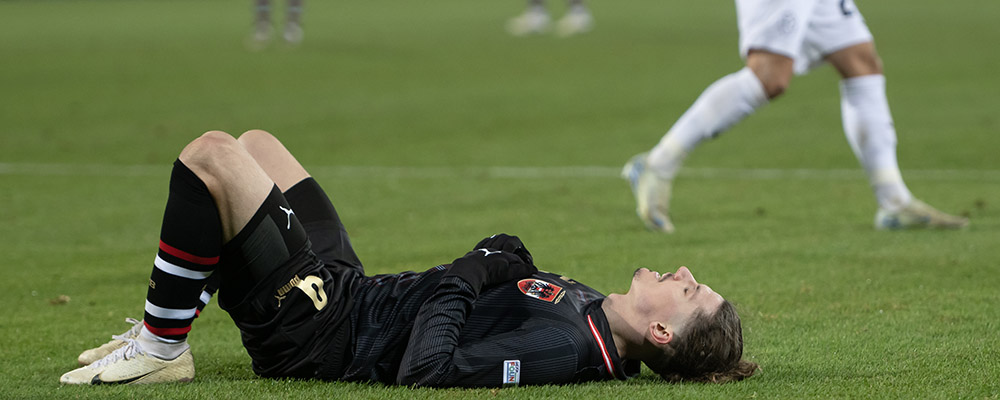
[(485, 267), (505, 242)]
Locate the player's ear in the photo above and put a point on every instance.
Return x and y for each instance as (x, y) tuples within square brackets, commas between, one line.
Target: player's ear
[(660, 333)]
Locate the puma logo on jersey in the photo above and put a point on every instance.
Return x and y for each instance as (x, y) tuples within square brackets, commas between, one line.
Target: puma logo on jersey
[(487, 252), (289, 212)]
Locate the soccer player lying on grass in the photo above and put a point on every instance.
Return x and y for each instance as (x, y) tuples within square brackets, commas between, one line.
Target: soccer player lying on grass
[(243, 216)]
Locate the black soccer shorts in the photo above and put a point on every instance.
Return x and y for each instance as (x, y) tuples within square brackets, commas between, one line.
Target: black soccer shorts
[(286, 282)]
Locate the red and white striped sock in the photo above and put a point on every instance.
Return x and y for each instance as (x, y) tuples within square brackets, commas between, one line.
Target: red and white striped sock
[(190, 245)]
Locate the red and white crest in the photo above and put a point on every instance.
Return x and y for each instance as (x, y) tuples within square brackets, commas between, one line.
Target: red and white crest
[(541, 290)]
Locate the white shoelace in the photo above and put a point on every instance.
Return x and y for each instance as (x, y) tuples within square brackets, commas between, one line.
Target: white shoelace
[(131, 349), (132, 332)]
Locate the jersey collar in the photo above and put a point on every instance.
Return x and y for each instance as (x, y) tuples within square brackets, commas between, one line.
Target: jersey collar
[(600, 330)]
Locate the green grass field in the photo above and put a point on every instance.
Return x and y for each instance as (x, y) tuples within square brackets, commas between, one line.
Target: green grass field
[(432, 128)]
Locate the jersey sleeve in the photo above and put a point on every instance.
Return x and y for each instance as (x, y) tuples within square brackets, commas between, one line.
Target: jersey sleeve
[(535, 353)]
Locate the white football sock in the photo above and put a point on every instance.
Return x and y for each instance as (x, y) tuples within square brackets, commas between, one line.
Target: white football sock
[(871, 134), (166, 349), (720, 106)]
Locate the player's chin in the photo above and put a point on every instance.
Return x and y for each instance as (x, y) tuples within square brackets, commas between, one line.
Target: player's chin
[(635, 275)]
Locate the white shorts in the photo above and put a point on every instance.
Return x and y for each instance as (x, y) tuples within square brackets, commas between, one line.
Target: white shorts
[(805, 30)]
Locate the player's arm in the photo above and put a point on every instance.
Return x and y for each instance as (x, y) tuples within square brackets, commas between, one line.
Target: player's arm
[(536, 353), (430, 353)]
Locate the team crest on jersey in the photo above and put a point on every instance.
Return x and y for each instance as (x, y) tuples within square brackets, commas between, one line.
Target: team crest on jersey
[(541, 290)]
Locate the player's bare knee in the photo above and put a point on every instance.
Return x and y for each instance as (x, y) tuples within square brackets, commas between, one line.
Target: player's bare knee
[(774, 71), (208, 151), (256, 140), (775, 86), (255, 135)]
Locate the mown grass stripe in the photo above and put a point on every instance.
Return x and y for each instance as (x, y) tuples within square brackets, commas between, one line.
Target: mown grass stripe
[(575, 172)]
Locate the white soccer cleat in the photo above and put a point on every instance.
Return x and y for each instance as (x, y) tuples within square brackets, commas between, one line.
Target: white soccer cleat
[(652, 194), (293, 33), (262, 32), (130, 364), (533, 21), (574, 23), (918, 215), (117, 341), (260, 37)]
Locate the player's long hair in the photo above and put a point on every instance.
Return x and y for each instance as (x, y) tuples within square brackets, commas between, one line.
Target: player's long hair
[(710, 350)]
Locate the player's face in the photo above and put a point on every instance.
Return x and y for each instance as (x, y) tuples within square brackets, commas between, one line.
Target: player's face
[(673, 297)]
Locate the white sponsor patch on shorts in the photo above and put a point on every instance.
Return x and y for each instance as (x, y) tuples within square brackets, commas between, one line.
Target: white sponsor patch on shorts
[(511, 372)]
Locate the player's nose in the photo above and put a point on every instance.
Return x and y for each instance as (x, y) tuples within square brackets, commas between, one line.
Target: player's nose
[(683, 273)]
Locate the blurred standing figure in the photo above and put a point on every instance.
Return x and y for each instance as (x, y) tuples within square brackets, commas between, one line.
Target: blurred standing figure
[(780, 38), (262, 22), (536, 20)]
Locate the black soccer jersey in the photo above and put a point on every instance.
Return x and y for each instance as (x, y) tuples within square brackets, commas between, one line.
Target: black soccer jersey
[(417, 328)]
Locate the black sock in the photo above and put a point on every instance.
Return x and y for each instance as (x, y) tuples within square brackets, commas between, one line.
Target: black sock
[(190, 245)]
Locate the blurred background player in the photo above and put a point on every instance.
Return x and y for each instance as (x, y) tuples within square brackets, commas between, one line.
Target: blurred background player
[(780, 38), (536, 20), (262, 23)]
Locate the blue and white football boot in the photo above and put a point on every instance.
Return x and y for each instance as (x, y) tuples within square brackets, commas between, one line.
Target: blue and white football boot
[(652, 194), (917, 215)]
